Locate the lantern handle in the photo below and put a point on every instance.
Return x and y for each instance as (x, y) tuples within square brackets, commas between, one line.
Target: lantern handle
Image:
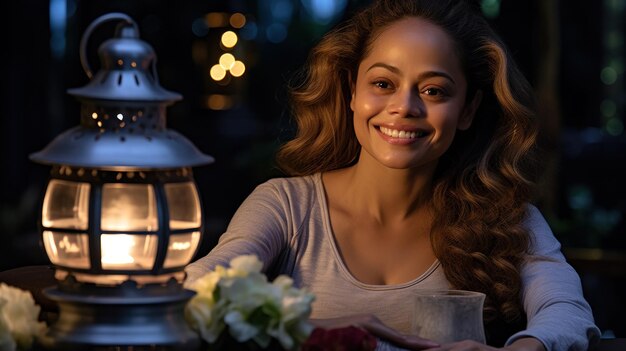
[(98, 21)]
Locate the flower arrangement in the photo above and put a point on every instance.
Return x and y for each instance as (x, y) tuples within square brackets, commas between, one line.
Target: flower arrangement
[(18, 319), (240, 300)]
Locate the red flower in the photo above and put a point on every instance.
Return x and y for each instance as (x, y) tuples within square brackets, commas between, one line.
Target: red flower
[(340, 339)]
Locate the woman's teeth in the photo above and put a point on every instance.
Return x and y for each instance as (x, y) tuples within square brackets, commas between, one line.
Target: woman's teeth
[(401, 134)]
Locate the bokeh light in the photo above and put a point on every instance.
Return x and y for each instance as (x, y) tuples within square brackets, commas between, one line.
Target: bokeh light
[(324, 12), (229, 39), (219, 102), (608, 75), (237, 69), (276, 32), (218, 72), (237, 20), (227, 61), (614, 126), (216, 19), (249, 31), (490, 8)]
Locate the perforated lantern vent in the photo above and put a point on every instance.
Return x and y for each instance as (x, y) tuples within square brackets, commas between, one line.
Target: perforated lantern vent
[(123, 115)]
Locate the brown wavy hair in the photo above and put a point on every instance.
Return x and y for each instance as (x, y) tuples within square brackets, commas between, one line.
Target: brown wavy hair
[(482, 183)]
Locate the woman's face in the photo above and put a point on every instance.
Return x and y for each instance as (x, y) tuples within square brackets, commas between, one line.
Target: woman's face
[(409, 96)]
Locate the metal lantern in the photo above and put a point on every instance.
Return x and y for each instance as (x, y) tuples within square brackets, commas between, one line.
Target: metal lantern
[(121, 216)]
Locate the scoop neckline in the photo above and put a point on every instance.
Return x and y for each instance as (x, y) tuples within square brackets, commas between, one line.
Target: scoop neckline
[(330, 235)]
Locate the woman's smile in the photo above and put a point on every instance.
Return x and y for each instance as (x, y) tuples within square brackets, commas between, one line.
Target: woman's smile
[(401, 136)]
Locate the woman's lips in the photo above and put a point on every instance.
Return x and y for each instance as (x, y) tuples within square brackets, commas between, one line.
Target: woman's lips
[(401, 134)]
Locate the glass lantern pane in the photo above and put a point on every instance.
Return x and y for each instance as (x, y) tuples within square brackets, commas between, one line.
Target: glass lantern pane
[(66, 205), (183, 204), (67, 249), (128, 252), (181, 249), (129, 207)]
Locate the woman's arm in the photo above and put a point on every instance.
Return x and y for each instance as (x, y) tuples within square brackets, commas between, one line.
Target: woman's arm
[(558, 316), (260, 227), (557, 312)]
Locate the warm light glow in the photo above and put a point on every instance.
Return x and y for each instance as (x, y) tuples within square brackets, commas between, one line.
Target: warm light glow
[(216, 19), (128, 207), (184, 205), (229, 39), (94, 115), (237, 69), (68, 250), (67, 246), (116, 249), (181, 246), (237, 20), (128, 251), (181, 249), (219, 102), (218, 72), (227, 61), (66, 205)]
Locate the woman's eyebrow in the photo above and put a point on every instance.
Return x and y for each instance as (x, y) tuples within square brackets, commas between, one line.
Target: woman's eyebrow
[(431, 74), (391, 68), (423, 75)]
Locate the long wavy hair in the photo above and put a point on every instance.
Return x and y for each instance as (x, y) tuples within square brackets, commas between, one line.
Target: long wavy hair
[(482, 183)]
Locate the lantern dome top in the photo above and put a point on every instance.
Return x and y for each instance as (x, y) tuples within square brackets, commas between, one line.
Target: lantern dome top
[(123, 112), (128, 69)]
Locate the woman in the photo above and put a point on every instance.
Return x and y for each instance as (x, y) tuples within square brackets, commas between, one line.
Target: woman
[(413, 168)]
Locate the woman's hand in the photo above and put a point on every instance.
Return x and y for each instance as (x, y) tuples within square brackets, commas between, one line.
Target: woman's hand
[(524, 344), (378, 329)]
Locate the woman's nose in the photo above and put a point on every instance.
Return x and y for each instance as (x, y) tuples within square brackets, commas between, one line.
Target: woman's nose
[(406, 103)]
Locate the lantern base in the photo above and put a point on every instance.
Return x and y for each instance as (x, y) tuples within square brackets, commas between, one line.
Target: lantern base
[(89, 322)]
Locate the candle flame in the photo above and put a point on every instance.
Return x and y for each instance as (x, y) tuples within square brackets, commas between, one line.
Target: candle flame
[(116, 249)]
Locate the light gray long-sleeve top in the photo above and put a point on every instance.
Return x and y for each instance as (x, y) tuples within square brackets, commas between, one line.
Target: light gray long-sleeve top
[(285, 222)]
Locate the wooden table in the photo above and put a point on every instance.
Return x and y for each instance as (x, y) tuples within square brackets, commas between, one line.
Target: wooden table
[(35, 278)]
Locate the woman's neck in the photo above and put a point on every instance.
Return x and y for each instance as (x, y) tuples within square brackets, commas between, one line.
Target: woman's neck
[(387, 194)]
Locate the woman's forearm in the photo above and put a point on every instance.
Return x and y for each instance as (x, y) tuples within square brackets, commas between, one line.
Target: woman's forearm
[(526, 344)]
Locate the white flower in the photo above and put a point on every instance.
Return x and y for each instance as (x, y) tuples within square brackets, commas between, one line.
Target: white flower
[(19, 313), (6, 340), (246, 263), (241, 299), (239, 328), (292, 328)]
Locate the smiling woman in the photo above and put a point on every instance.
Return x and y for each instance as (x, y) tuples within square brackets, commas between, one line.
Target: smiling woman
[(410, 84), (412, 169)]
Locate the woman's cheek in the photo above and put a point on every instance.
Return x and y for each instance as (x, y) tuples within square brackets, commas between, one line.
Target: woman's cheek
[(371, 104)]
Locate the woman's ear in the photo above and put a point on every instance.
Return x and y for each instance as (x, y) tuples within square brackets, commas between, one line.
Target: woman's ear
[(352, 93), (469, 111)]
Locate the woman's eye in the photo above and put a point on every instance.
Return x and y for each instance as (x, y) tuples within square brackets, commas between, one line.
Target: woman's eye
[(382, 85), (433, 91)]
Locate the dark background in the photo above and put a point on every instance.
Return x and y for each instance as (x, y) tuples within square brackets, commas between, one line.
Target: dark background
[(571, 51)]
